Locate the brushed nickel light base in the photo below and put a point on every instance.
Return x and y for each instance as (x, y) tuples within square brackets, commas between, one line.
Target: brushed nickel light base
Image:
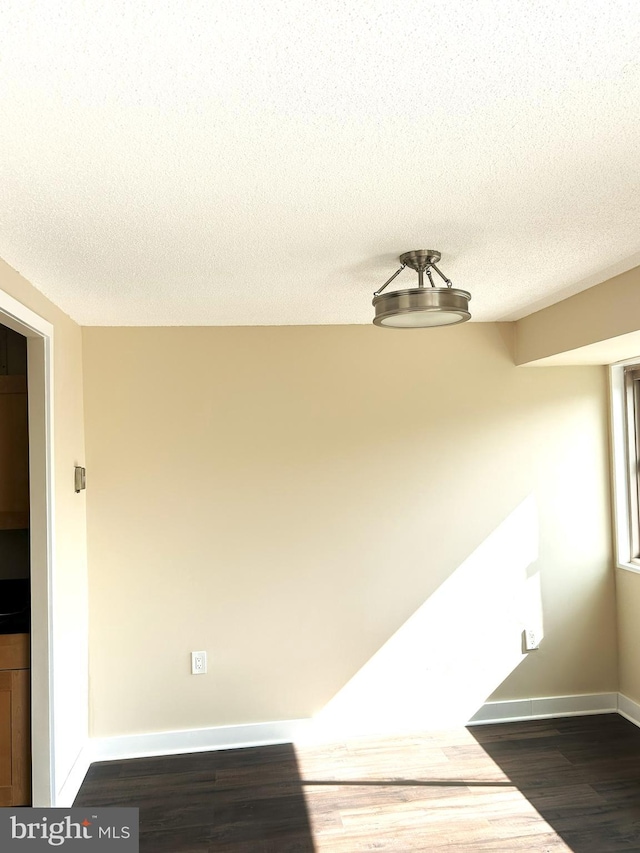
[(421, 307), (420, 259)]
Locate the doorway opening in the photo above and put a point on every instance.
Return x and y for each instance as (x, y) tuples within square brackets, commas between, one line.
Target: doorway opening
[(38, 333), (15, 573)]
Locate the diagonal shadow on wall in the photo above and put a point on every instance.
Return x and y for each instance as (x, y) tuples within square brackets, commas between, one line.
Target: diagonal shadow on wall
[(445, 661)]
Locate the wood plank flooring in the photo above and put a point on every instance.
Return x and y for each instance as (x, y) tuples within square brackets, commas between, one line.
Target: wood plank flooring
[(569, 784)]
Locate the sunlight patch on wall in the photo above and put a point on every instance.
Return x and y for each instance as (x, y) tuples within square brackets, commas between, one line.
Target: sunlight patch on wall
[(457, 648)]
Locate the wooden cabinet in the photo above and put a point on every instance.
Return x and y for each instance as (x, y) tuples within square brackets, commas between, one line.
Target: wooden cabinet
[(15, 741)]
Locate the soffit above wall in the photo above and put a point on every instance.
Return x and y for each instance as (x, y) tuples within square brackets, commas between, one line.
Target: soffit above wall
[(244, 163), (600, 353), (598, 326)]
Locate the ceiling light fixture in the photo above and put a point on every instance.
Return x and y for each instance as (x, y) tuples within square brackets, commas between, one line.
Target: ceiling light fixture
[(421, 307)]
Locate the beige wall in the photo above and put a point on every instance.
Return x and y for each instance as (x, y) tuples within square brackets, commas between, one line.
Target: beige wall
[(601, 325), (69, 614), (628, 598), (287, 497)]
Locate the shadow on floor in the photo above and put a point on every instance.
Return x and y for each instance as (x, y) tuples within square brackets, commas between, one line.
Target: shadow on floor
[(581, 774), (231, 801)]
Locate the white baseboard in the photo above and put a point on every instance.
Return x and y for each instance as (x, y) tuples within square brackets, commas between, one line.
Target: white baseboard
[(196, 740), (290, 731), (547, 707), (629, 709)]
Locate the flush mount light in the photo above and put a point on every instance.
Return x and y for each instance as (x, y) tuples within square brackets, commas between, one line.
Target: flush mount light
[(421, 306)]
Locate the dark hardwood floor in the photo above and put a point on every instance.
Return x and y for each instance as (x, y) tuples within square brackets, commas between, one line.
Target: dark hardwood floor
[(549, 785)]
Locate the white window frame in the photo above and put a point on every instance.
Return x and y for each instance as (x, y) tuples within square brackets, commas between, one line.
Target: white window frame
[(625, 448)]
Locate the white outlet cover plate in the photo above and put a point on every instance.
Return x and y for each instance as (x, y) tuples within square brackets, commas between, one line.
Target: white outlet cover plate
[(531, 640), (198, 663)]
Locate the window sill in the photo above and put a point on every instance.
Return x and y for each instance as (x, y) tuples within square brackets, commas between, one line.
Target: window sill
[(629, 567)]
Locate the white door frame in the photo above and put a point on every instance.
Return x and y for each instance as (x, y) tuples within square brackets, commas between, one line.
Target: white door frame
[(39, 334)]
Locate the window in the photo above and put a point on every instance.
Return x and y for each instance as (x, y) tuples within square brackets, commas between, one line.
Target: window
[(625, 423)]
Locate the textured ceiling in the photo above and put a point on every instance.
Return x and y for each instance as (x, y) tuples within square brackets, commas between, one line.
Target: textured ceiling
[(244, 162)]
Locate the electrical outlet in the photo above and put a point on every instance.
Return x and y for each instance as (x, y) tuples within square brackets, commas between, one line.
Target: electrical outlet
[(198, 663), (531, 640)]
